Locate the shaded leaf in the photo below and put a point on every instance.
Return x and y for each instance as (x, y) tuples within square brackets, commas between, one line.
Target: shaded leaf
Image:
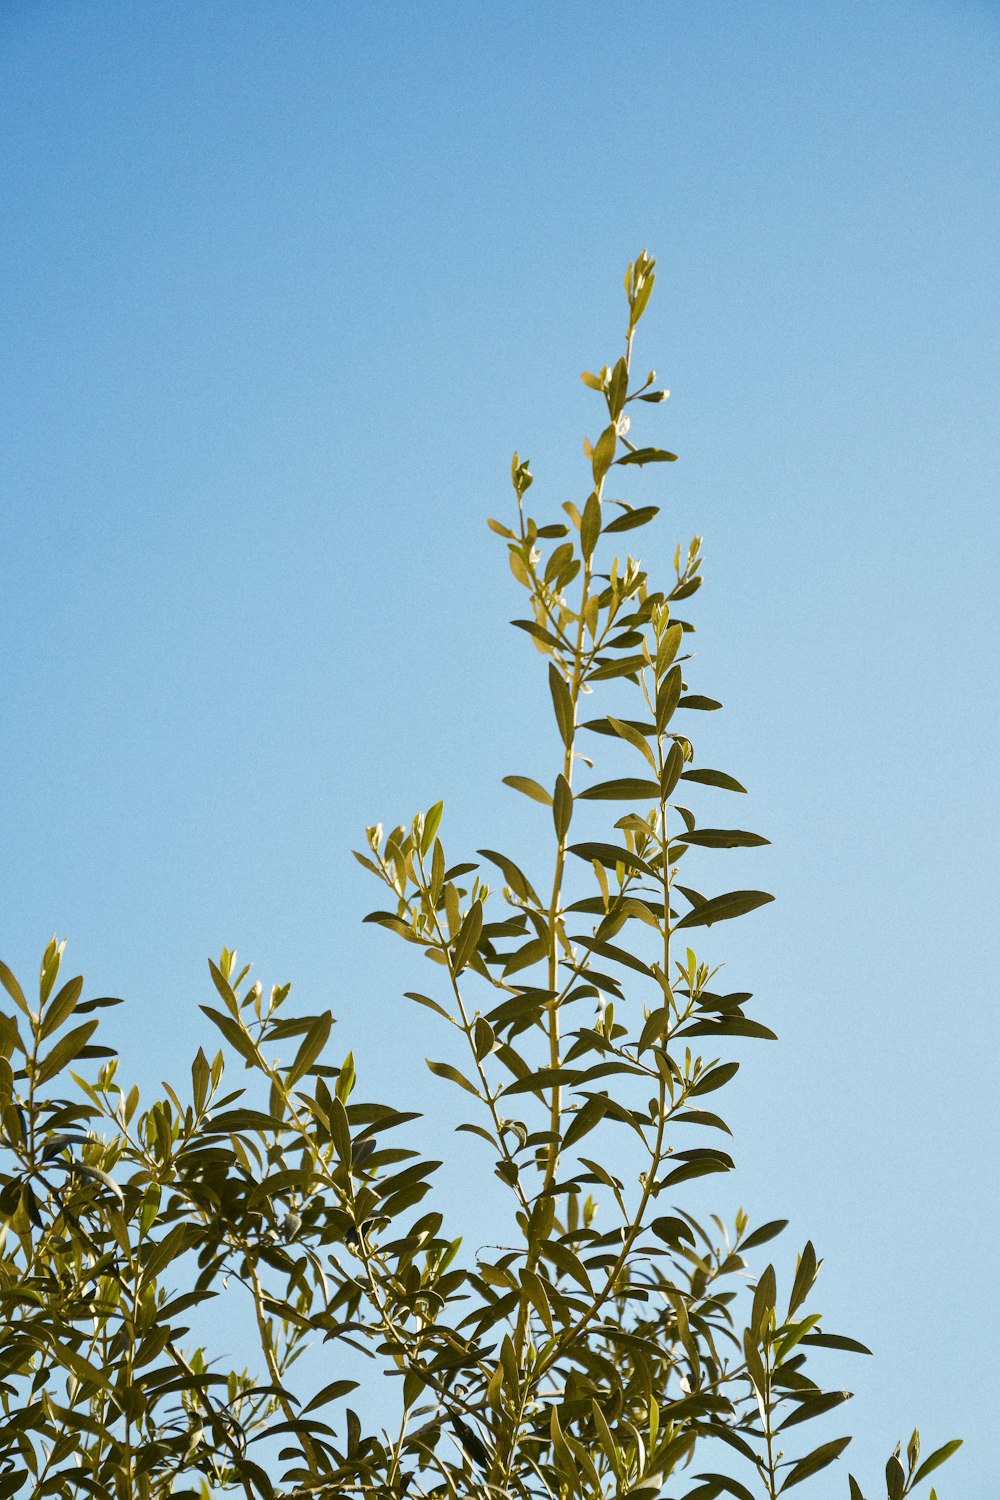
[(640, 516), (714, 778), (764, 1233), (445, 1070), (647, 456), (312, 1045), (623, 789), (65, 1050), (814, 1461), (611, 855), (697, 700), (723, 908), (722, 838)]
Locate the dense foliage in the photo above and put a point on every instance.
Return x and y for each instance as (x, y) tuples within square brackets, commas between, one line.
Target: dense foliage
[(616, 1339)]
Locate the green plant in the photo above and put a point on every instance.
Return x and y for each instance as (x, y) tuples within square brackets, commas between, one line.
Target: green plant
[(617, 1334)]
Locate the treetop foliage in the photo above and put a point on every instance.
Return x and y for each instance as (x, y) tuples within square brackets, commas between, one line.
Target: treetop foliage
[(612, 1344)]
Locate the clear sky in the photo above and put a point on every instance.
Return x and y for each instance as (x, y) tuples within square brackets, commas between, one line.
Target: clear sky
[(283, 285)]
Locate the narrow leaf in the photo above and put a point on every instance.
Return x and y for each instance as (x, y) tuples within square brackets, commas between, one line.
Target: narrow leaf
[(445, 1070), (468, 936), (622, 789), (65, 1050), (723, 908), (647, 456), (814, 1461), (714, 778), (529, 788), (640, 516), (562, 703), (722, 838), (312, 1045), (936, 1459)]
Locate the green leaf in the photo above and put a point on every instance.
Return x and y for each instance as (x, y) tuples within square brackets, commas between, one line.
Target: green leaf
[(728, 1486), (668, 696), (764, 1297), (615, 954), (542, 1078), (483, 1038), (622, 789), (200, 1077), (590, 525), (562, 703), (233, 1034), (936, 1459), (428, 1002), (538, 632), (529, 788), (895, 1479), (632, 735), (562, 807), (340, 1129), (445, 1070), (624, 666), (312, 1045), (721, 838), (13, 989), (468, 936), (610, 855), (244, 1119), (65, 1050), (805, 1276), (618, 388), (590, 1114), (667, 647), (80, 1367), (700, 1162), (697, 700), (610, 726), (814, 1461), (836, 1341), (61, 1007), (648, 456), (515, 877), (563, 1258), (672, 767), (331, 1392), (763, 1234), (714, 1078), (702, 1117), (602, 456), (432, 822), (729, 1026), (522, 958), (640, 516), (714, 778), (814, 1406), (723, 908), (672, 1230)]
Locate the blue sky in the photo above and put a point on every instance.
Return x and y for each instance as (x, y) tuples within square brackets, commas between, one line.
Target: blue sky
[(284, 285)]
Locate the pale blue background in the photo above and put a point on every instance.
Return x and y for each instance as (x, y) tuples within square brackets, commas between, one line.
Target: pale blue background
[(283, 285)]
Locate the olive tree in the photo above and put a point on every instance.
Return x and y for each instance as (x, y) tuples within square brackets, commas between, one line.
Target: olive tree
[(617, 1343)]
